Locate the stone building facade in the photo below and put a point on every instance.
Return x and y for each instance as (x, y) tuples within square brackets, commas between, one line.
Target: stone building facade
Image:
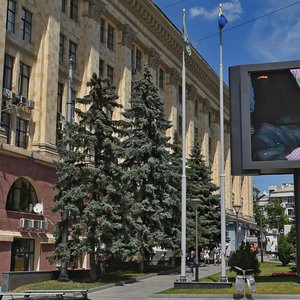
[(113, 38)]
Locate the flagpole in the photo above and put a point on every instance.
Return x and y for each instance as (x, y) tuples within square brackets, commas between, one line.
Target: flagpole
[(183, 181), (222, 168)]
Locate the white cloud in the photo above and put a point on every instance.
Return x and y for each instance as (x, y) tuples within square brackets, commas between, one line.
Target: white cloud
[(231, 10)]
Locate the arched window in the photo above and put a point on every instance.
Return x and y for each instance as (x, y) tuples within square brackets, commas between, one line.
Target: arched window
[(21, 196)]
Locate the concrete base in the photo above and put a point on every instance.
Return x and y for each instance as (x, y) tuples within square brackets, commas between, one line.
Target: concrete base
[(201, 285)]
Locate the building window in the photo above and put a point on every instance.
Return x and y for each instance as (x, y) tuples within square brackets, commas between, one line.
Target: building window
[(110, 37), (101, 68), (73, 97), (74, 10), (26, 25), (24, 80), (196, 134), (21, 196), (7, 72), (102, 31), (196, 108), (179, 129), (110, 74), (21, 133), (22, 255), (209, 119), (161, 79), (11, 16), (138, 60), (5, 123), (73, 53), (63, 5), (59, 119), (210, 148), (61, 48), (180, 94)]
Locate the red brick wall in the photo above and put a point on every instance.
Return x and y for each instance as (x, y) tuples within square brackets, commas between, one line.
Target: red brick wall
[(5, 252), (46, 250)]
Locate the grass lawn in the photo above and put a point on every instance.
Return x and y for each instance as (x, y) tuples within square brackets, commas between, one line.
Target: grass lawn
[(265, 283), (105, 279)]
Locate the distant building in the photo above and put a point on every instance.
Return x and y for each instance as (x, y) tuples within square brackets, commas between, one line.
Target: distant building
[(284, 193)]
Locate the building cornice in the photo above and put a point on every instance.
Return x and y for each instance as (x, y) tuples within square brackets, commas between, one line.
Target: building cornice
[(149, 14)]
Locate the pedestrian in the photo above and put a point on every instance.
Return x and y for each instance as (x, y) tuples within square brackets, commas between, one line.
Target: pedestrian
[(206, 255), (216, 252), (227, 253), (191, 262)]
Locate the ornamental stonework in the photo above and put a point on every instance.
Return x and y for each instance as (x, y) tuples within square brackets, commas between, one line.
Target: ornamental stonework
[(174, 76), (96, 9), (192, 91), (128, 35), (153, 58), (206, 104)]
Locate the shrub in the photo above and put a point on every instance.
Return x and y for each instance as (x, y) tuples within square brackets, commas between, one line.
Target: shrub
[(285, 250), (244, 259)]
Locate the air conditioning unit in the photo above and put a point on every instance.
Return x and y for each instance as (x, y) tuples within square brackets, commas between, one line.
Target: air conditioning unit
[(6, 93), (30, 104), (23, 100), (15, 99), (26, 223), (40, 225)]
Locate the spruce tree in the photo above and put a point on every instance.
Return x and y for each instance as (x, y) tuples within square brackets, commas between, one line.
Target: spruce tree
[(147, 169), (173, 228), (89, 178), (200, 186)]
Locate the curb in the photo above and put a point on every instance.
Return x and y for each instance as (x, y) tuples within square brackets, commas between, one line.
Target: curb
[(128, 281), (229, 296)]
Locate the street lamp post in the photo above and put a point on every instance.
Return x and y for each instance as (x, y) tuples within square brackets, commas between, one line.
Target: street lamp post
[(237, 208), (261, 242), (196, 203), (261, 236)]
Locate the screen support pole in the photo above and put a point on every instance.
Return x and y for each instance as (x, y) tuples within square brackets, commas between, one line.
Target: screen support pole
[(297, 218)]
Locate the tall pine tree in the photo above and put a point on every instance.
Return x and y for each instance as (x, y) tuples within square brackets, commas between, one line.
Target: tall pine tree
[(147, 168), (200, 186), (173, 228), (89, 179)]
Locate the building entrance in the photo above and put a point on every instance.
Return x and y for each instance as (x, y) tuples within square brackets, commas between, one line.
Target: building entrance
[(22, 255)]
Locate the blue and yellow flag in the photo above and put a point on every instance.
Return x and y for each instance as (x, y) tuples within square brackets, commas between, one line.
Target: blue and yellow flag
[(221, 20), (188, 46)]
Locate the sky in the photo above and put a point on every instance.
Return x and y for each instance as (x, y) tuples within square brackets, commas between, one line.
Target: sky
[(258, 31)]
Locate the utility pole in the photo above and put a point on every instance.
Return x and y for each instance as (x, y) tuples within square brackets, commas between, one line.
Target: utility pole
[(63, 276)]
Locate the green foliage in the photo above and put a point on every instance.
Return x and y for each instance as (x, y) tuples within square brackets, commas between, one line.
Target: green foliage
[(244, 259), (147, 170), (259, 217), (276, 216), (172, 228), (286, 250), (291, 237), (201, 187), (88, 179)]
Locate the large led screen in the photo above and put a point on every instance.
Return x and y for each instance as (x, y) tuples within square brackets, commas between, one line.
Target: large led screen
[(275, 115), (265, 118)]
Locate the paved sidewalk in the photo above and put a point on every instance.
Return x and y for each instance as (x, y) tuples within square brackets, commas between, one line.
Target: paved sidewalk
[(149, 288)]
